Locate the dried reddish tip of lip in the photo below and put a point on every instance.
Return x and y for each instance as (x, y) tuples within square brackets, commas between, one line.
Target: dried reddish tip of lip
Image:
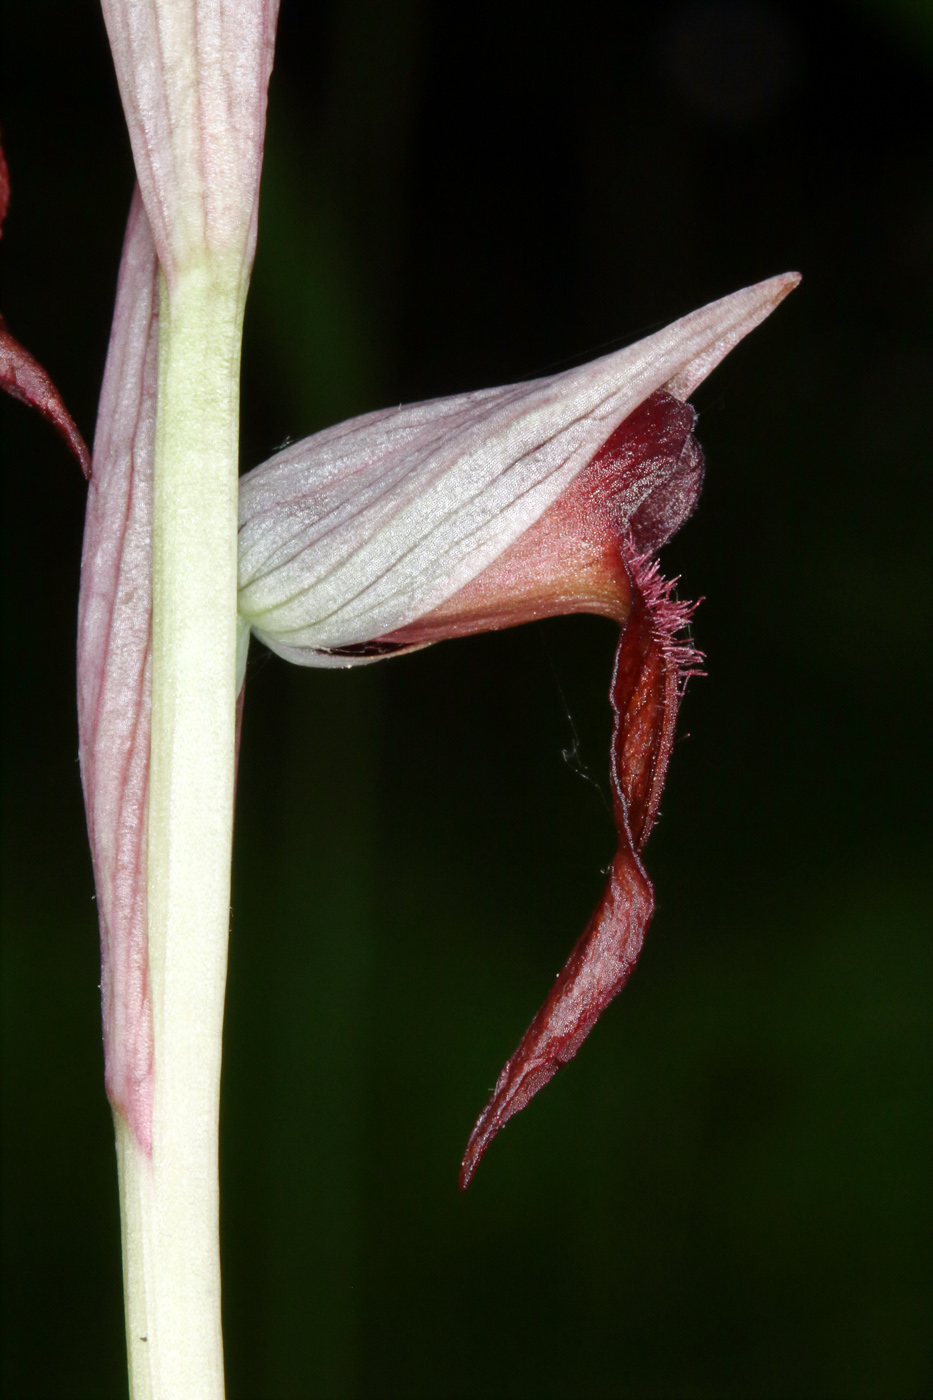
[(651, 669), (24, 378)]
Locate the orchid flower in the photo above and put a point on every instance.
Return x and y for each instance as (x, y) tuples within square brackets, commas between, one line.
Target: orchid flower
[(375, 537), (489, 509)]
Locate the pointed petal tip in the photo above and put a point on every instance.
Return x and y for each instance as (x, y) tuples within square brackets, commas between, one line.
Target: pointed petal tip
[(534, 1063), (716, 329), (480, 1138), (467, 1168), (755, 303), (782, 284), (466, 1173), (485, 1129)]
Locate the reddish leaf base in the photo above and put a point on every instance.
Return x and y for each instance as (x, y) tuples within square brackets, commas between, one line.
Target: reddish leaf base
[(24, 378)]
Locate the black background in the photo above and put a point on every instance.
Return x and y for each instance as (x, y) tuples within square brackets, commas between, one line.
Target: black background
[(727, 1194)]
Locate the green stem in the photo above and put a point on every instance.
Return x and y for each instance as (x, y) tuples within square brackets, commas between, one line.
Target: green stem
[(170, 1202), (134, 1170)]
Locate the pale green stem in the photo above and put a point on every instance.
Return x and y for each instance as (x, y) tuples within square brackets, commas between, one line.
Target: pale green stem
[(134, 1170), (170, 1203)]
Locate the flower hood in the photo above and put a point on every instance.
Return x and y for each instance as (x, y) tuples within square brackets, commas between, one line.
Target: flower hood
[(367, 526)]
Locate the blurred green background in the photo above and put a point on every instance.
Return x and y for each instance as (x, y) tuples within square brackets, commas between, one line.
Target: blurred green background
[(728, 1192)]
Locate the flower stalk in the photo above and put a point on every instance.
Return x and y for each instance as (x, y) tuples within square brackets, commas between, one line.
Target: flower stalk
[(190, 819)]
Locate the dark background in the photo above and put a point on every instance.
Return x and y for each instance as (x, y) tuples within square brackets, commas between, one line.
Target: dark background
[(728, 1193)]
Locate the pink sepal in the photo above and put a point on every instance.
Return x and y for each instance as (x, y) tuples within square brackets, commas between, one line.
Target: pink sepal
[(114, 672)]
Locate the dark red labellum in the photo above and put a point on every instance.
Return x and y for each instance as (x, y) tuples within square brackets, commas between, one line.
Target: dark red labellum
[(651, 669)]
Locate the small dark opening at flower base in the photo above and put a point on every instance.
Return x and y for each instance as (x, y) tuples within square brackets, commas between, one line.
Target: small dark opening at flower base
[(363, 649)]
